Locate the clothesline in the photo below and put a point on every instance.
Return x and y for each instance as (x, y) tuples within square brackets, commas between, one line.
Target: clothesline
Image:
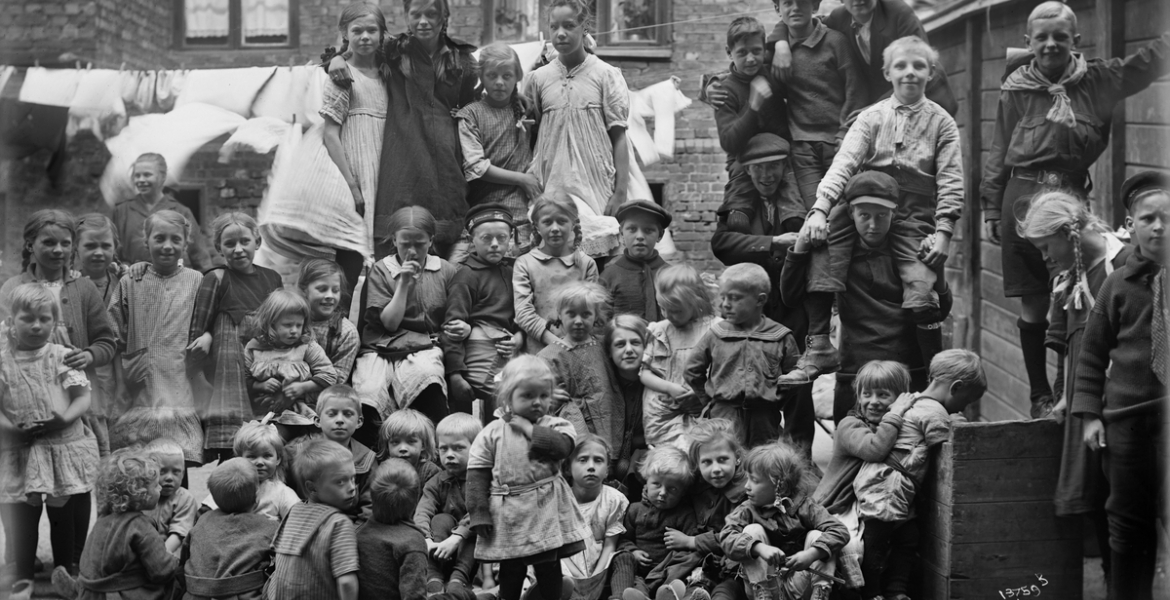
[(721, 17)]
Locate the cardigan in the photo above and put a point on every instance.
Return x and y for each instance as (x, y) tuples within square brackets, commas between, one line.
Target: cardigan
[(82, 310)]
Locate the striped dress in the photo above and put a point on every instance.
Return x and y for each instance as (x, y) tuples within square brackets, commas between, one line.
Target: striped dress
[(150, 315), (361, 111)]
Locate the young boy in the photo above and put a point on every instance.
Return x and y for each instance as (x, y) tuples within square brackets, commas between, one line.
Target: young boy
[(339, 414), (1043, 140), (915, 141), (654, 524), (779, 526), (823, 88), (630, 279), (227, 552), (391, 551), (441, 511), (175, 512), (481, 319), (261, 444), (1121, 387), (736, 366), (316, 547), (874, 326)]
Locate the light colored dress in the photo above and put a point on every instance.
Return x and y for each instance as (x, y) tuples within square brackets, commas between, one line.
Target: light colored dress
[(604, 517), (302, 362), (33, 385), (535, 278), (576, 109), (533, 509), (667, 350), (150, 315), (361, 111)]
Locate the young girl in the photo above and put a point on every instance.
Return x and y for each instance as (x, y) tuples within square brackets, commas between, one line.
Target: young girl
[(554, 262), (410, 435), (494, 138), (261, 444), (686, 304), (624, 339), (322, 282), (226, 300), (603, 508), (400, 363), (149, 176), (521, 508), (47, 454), (581, 105), (587, 391), (125, 551), (151, 312), (97, 243)]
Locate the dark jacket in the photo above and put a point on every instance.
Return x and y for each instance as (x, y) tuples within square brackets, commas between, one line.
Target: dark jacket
[(393, 561), (480, 294), (445, 494), (737, 123), (628, 288), (82, 310), (784, 531)]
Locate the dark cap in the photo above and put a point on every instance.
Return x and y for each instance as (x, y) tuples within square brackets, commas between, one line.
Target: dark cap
[(873, 187), (484, 213), (646, 207), (1142, 182), (764, 147)]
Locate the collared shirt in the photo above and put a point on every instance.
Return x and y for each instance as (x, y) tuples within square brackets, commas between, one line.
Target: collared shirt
[(861, 34), (736, 366), (424, 310), (536, 276)]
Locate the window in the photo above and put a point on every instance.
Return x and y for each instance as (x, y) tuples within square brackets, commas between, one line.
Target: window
[(633, 22), (221, 24), (513, 21), (623, 27)]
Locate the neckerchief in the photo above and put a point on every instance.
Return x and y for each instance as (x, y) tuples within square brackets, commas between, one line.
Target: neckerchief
[(1030, 78)]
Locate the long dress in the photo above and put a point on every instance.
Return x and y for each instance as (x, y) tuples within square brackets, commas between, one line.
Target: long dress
[(361, 111), (586, 372), (151, 315)]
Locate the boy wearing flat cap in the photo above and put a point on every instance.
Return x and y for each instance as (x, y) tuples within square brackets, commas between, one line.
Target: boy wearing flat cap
[(481, 319), (630, 279)]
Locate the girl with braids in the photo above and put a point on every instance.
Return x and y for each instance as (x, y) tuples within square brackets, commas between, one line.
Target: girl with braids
[(1081, 245), (496, 148), (97, 245), (429, 76)]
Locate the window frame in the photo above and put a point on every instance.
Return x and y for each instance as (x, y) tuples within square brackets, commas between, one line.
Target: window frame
[(660, 48), (663, 31), (235, 29)]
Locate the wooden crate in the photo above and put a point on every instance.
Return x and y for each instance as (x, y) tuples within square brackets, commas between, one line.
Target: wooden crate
[(987, 519)]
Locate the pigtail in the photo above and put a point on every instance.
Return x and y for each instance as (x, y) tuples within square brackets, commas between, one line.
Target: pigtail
[(1079, 294)]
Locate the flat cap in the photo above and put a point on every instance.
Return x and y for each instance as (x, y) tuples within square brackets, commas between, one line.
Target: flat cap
[(873, 187), (1142, 182), (646, 207), (764, 147)]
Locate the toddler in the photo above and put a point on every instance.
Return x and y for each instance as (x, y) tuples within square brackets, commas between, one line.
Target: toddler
[(339, 415), (736, 366), (441, 511), (391, 552), (316, 546), (410, 435), (174, 514), (149, 176), (228, 552), (261, 445), (522, 510), (780, 527), (323, 284), (630, 278), (604, 509)]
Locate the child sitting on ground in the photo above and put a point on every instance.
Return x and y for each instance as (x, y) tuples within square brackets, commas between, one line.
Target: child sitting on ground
[(391, 551), (410, 435), (175, 511), (228, 551), (339, 415), (781, 527), (316, 546), (441, 509), (604, 509), (630, 278), (261, 444), (654, 525), (737, 364)]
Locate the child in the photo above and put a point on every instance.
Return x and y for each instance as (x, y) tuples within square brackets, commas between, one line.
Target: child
[(339, 415), (624, 340), (481, 306), (654, 525), (737, 363), (581, 105), (261, 445), (227, 552), (687, 311), (125, 551), (920, 148), (150, 311), (1126, 337), (1044, 140), (604, 509), (316, 546), (630, 279), (391, 553), (174, 514), (47, 455), (780, 527), (285, 366), (410, 435), (149, 175), (224, 305), (587, 392), (443, 506), (521, 509), (97, 243), (494, 137), (323, 283), (555, 261), (400, 364)]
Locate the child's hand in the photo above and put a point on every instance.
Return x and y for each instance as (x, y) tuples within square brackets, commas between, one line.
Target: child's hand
[(903, 403), (79, 359), (1094, 432), (642, 558), (457, 330), (339, 71), (802, 242), (782, 61), (53, 423), (717, 94), (531, 186), (769, 554), (991, 231), (506, 347), (935, 249), (760, 92), (559, 399), (1059, 410), (615, 201), (521, 425), (677, 540), (271, 386), (448, 548), (802, 560), (359, 201), (483, 530), (785, 240), (201, 347), (816, 228), (410, 270), (298, 390)]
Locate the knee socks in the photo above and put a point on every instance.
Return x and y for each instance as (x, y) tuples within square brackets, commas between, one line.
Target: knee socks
[(67, 530), (1035, 357), (21, 524)]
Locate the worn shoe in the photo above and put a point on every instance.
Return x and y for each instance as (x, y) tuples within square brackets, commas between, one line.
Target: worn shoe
[(765, 590), (22, 590), (819, 358), (821, 592), (1042, 407), (64, 584), (633, 594)]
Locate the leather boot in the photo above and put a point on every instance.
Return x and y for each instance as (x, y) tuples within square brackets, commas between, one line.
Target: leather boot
[(819, 358)]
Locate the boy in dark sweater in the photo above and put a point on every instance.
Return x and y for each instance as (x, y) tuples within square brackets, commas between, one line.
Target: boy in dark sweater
[(339, 415), (441, 514), (391, 551), (481, 330), (1121, 388), (630, 279)]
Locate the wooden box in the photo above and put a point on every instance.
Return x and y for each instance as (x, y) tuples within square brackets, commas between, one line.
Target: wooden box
[(988, 523)]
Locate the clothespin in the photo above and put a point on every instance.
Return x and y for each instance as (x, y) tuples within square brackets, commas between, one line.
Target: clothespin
[(122, 67), (37, 63), (88, 66), (77, 65)]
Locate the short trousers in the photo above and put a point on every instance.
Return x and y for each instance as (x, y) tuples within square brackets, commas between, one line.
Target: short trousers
[(1025, 272)]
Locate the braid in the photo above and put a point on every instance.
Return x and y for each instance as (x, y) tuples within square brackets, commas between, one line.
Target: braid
[(517, 106)]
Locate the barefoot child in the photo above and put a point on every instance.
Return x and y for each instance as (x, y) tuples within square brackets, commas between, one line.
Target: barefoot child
[(391, 552), (174, 514), (604, 509), (441, 511)]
